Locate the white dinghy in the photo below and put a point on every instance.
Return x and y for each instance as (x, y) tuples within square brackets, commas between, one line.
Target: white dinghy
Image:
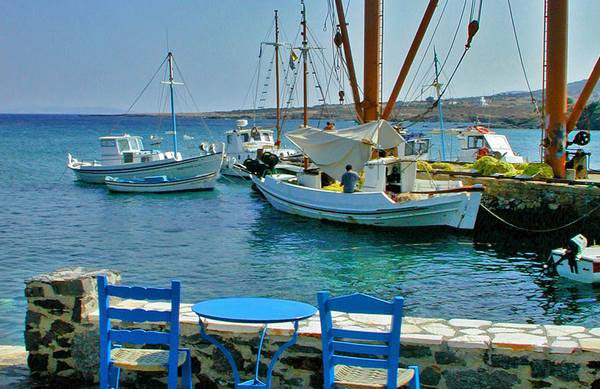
[(162, 184), (578, 261), (390, 195)]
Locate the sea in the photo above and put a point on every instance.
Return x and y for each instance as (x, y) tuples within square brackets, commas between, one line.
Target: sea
[(231, 242)]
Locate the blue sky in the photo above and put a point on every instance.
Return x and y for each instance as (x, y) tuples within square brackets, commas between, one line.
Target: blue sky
[(68, 55)]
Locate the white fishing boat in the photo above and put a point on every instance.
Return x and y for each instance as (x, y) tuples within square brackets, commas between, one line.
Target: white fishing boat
[(390, 195), (478, 141), (162, 184), (155, 140), (244, 143), (577, 261), (124, 155)]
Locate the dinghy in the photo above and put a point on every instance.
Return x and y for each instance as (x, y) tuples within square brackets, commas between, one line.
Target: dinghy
[(161, 184), (577, 261)]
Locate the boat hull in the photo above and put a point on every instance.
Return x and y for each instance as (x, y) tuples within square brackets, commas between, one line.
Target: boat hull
[(585, 268), (189, 167), (456, 210), (201, 182)]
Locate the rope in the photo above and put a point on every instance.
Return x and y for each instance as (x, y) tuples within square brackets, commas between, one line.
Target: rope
[(147, 85), (533, 101), (540, 230)]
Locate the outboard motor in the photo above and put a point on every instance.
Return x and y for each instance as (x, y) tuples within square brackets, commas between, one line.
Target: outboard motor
[(255, 167), (572, 254), (269, 159)]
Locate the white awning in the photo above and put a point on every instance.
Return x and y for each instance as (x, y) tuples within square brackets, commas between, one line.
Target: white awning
[(333, 150)]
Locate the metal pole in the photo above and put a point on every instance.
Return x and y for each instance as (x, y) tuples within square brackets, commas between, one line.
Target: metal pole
[(556, 87), (173, 119), (349, 61), (410, 56), (278, 124), (440, 112), (372, 59), (305, 63)]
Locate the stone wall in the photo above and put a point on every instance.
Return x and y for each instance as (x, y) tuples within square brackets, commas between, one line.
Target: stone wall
[(58, 305), (533, 204), (453, 353)]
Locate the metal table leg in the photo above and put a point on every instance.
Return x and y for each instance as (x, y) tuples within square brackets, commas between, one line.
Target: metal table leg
[(256, 382)]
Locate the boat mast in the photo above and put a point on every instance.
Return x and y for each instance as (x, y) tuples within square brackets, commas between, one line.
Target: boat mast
[(372, 60), (278, 113), (556, 86), (305, 63), (438, 86), (173, 119)]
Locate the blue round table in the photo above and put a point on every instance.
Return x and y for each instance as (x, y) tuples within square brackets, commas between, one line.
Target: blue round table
[(253, 310)]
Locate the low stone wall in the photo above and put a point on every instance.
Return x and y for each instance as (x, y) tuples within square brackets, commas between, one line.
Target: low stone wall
[(451, 353), (533, 204)]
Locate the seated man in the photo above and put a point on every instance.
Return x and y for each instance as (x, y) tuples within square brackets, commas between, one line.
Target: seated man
[(349, 180), (329, 127)]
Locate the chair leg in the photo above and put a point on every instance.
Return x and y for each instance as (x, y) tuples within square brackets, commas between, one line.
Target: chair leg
[(114, 373), (186, 371), (414, 383)]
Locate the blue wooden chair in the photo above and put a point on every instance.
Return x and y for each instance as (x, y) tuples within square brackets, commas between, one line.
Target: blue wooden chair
[(362, 359), (114, 356)]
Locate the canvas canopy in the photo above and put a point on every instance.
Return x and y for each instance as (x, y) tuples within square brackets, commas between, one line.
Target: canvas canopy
[(333, 150)]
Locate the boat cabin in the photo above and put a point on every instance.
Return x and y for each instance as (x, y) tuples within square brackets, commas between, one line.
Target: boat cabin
[(249, 139), (477, 145), (121, 149)]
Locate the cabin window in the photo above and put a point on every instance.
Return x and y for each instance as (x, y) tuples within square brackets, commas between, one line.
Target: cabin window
[(135, 144), (475, 142), (229, 139), (107, 143), (245, 137), (266, 137), (123, 145), (409, 148), (256, 136)]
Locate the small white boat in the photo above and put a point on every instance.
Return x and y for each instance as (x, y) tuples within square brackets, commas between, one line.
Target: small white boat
[(578, 261), (161, 184), (390, 195), (155, 140), (187, 137), (479, 141), (124, 156), (243, 143)]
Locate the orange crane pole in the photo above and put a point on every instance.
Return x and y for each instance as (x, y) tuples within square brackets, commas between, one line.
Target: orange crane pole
[(583, 97), (349, 61), (372, 60), (556, 87), (410, 56)]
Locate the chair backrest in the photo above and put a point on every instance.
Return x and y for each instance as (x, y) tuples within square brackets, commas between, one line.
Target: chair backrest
[(376, 349), (108, 336)]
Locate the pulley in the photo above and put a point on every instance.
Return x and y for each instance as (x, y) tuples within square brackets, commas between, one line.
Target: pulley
[(337, 39), (582, 138)]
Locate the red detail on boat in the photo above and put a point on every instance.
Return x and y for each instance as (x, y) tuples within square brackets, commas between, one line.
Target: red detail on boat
[(596, 267)]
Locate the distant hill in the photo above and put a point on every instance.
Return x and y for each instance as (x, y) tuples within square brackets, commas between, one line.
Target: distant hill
[(573, 90)]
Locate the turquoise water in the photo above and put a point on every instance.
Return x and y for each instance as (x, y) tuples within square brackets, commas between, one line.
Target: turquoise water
[(231, 242)]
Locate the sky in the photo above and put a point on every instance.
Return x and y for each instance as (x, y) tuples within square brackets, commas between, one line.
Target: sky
[(84, 56)]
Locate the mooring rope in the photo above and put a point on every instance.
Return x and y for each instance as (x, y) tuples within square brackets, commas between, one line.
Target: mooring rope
[(540, 230)]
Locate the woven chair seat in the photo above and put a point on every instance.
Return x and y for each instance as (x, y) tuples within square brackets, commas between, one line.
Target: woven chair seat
[(143, 359), (361, 378)]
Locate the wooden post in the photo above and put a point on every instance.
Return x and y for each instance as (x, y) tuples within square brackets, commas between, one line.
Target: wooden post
[(278, 110), (410, 56), (349, 61), (372, 60)]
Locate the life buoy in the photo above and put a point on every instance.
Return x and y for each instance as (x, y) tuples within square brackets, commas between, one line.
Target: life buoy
[(482, 129), (482, 152)]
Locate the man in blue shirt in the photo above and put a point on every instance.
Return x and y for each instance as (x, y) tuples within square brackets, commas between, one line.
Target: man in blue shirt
[(349, 180)]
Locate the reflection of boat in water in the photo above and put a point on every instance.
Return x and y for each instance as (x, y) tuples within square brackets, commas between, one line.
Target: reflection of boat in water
[(124, 156), (390, 195), (162, 184), (577, 261)]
